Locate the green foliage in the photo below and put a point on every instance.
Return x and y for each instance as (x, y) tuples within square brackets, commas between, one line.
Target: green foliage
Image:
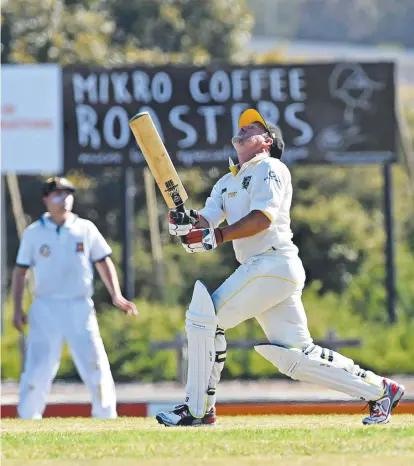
[(335, 226), (108, 32), (51, 31), (211, 28)]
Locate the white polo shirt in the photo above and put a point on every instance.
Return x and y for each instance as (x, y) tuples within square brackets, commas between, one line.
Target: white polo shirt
[(62, 257), (263, 183)]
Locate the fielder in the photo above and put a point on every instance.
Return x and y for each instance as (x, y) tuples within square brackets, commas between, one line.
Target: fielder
[(61, 248), (255, 198)]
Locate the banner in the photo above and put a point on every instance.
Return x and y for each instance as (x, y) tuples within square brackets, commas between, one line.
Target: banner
[(341, 113), (31, 119)]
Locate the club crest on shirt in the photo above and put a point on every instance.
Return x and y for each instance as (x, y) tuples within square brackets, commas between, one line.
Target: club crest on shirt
[(44, 250), (272, 176), (80, 247), (246, 182)]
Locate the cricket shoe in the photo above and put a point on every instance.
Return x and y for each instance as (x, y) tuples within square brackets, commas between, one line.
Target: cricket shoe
[(380, 410), (181, 417)]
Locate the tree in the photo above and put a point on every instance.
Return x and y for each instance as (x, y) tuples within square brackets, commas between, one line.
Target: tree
[(118, 32), (212, 28), (40, 31)]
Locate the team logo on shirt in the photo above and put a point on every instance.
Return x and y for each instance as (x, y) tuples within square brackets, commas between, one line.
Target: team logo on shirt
[(272, 176), (233, 194), (44, 250), (246, 182), (80, 247)]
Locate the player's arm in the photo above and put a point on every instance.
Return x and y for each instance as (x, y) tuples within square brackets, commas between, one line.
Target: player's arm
[(265, 198), (24, 260), (107, 272), (18, 283), (100, 252), (252, 224), (205, 239), (109, 276)]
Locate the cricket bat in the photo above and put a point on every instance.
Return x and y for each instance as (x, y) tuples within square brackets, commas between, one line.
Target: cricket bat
[(158, 160)]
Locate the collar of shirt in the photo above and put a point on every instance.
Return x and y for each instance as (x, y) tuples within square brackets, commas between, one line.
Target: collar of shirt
[(254, 160), (49, 223)]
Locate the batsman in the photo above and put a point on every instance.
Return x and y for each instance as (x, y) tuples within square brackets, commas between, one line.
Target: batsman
[(255, 199)]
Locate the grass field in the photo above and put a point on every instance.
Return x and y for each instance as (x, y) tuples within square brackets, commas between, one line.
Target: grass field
[(247, 440)]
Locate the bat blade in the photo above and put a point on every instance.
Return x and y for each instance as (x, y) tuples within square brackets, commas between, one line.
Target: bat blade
[(158, 160)]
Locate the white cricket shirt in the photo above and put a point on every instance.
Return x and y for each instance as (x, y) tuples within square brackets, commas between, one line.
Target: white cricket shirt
[(62, 257), (263, 183)]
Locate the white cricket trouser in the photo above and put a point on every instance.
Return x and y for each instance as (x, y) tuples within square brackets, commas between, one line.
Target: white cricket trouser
[(51, 322), (269, 288)]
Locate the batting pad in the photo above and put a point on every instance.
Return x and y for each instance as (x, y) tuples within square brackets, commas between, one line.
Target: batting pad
[(200, 324), (220, 346), (324, 367)]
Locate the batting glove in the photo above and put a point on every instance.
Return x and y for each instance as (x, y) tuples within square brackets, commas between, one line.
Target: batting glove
[(181, 223), (204, 239)]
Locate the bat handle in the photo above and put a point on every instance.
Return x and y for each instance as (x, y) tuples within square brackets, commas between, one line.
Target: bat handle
[(181, 208)]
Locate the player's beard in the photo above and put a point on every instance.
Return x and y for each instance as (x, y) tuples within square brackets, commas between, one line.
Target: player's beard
[(243, 141)]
